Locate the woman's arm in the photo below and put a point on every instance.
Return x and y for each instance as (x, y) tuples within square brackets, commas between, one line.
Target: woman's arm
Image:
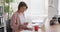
[(24, 27), (13, 24), (16, 24)]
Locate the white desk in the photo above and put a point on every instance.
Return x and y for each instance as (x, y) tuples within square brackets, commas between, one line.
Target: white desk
[(31, 31)]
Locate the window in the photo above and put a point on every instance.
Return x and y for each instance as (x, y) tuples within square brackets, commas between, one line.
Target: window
[(1, 14), (1, 10)]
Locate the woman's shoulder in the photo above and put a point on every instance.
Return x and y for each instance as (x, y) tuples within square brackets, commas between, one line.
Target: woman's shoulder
[(15, 14)]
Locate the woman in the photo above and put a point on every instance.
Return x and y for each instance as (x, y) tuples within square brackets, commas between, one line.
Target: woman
[(18, 20)]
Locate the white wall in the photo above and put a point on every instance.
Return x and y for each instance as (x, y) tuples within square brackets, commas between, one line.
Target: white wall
[(37, 9)]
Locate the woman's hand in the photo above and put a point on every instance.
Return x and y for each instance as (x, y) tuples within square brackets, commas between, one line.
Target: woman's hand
[(30, 29), (24, 26), (26, 23)]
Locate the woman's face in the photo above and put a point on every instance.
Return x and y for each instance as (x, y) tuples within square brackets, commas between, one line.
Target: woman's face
[(22, 9)]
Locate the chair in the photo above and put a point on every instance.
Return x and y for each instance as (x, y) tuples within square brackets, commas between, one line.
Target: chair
[(8, 26)]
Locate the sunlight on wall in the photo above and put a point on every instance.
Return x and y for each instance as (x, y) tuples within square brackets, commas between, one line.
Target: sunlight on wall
[(36, 8)]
